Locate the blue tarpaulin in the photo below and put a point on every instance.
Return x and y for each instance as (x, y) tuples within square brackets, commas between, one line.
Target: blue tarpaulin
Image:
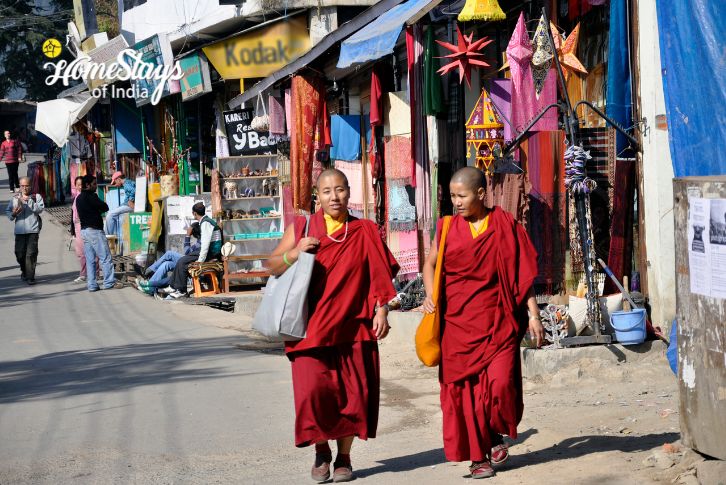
[(378, 38), (693, 62)]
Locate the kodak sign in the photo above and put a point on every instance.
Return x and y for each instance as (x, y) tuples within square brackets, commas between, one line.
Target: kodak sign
[(261, 52)]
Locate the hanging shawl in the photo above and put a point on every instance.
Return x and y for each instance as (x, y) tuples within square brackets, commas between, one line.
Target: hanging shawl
[(525, 104), (544, 53), (433, 94)]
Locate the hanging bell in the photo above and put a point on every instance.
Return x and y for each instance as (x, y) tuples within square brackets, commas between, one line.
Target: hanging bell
[(481, 10)]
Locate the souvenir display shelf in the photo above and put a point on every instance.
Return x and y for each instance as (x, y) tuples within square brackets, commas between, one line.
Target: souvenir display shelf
[(250, 215)]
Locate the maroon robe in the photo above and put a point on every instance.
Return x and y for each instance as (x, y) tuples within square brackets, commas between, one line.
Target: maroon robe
[(335, 368), (485, 283)]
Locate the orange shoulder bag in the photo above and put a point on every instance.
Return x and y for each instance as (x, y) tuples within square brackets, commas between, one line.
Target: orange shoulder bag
[(428, 333)]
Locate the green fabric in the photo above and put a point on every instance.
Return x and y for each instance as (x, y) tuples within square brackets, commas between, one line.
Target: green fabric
[(433, 93)]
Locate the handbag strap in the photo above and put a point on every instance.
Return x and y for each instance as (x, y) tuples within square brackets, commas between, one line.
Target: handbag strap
[(262, 102), (440, 259)]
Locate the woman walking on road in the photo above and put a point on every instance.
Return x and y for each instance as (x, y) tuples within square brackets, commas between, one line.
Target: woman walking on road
[(335, 368), (489, 266)]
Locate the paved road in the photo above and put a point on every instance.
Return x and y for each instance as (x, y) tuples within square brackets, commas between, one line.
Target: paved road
[(115, 387)]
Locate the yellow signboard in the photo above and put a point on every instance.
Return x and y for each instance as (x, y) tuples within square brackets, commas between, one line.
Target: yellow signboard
[(262, 52)]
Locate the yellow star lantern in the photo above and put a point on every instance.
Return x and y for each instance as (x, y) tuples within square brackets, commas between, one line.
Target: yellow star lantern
[(566, 49), (488, 10), (484, 130)]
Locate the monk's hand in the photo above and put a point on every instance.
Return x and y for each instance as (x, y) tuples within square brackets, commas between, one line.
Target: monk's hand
[(308, 244), (428, 304), (380, 324), (536, 330)]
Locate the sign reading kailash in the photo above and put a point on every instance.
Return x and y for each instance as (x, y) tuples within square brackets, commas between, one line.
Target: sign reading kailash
[(128, 66)]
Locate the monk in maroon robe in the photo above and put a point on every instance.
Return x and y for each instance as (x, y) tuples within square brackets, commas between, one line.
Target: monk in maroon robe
[(335, 368), (489, 265)]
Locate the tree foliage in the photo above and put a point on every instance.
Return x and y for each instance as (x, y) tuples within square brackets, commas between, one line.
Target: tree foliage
[(24, 27)]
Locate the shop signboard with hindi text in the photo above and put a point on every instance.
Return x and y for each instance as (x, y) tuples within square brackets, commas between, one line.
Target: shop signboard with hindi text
[(242, 139), (261, 52), (196, 80)]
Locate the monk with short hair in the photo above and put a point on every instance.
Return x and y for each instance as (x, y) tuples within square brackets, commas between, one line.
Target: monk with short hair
[(335, 368), (489, 266)]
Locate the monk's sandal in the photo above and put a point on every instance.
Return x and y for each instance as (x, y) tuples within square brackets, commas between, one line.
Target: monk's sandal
[(500, 454), (481, 470), (321, 468), (342, 473)]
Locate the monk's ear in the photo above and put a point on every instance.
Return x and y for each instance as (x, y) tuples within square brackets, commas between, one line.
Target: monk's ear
[(480, 193)]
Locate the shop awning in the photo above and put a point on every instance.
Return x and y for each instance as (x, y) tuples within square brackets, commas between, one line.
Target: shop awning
[(56, 117), (379, 38), (318, 50)]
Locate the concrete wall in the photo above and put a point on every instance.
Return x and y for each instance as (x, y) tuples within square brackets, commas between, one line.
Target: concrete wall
[(657, 174)]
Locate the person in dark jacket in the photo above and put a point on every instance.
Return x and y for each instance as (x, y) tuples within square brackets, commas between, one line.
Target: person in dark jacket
[(95, 244)]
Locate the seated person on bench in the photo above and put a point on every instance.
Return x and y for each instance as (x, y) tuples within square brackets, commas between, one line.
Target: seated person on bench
[(158, 273), (210, 250)]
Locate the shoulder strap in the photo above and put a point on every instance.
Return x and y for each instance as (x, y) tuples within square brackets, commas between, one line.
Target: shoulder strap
[(307, 224), (440, 258)]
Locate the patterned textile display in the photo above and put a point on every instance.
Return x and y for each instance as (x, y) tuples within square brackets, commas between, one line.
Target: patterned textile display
[(288, 111), (195, 268), (419, 134), (509, 191), (307, 136), (600, 142), (404, 246), (525, 103), (354, 172), (621, 233), (397, 153), (543, 157), (277, 116)]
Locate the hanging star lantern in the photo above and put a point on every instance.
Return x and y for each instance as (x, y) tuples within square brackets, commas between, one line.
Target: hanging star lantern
[(464, 55), (566, 50)]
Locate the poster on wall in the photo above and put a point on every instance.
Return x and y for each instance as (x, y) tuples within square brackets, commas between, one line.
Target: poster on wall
[(242, 139), (707, 246)]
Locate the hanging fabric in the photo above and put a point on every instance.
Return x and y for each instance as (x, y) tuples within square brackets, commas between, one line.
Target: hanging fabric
[(346, 137), (307, 135), (543, 157), (619, 103), (525, 103), (277, 116), (433, 93), (620, 258)]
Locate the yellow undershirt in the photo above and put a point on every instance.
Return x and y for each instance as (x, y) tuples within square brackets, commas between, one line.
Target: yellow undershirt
[(333, 225), (482, 228)]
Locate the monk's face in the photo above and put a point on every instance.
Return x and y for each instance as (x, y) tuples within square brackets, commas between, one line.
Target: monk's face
[(333, 193), (467, 202)]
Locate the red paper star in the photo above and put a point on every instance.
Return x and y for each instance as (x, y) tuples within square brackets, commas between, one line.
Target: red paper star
[(465, 55)]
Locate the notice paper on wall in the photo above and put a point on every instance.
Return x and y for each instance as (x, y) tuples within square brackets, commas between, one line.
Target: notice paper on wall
[(707, 246)]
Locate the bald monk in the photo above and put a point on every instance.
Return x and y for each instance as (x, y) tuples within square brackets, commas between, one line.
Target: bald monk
[(335, 368), (489, 266)]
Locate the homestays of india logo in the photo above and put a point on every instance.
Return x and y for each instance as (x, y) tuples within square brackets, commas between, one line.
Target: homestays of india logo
[(128, 66)]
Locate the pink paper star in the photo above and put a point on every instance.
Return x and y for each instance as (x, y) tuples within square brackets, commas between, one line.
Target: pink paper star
[(464, 55)]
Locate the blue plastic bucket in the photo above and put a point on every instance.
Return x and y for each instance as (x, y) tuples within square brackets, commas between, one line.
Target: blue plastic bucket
[(629, 326)]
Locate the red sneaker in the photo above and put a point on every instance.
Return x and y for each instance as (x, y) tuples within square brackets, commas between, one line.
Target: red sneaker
[(500, 454), (481, 470)]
